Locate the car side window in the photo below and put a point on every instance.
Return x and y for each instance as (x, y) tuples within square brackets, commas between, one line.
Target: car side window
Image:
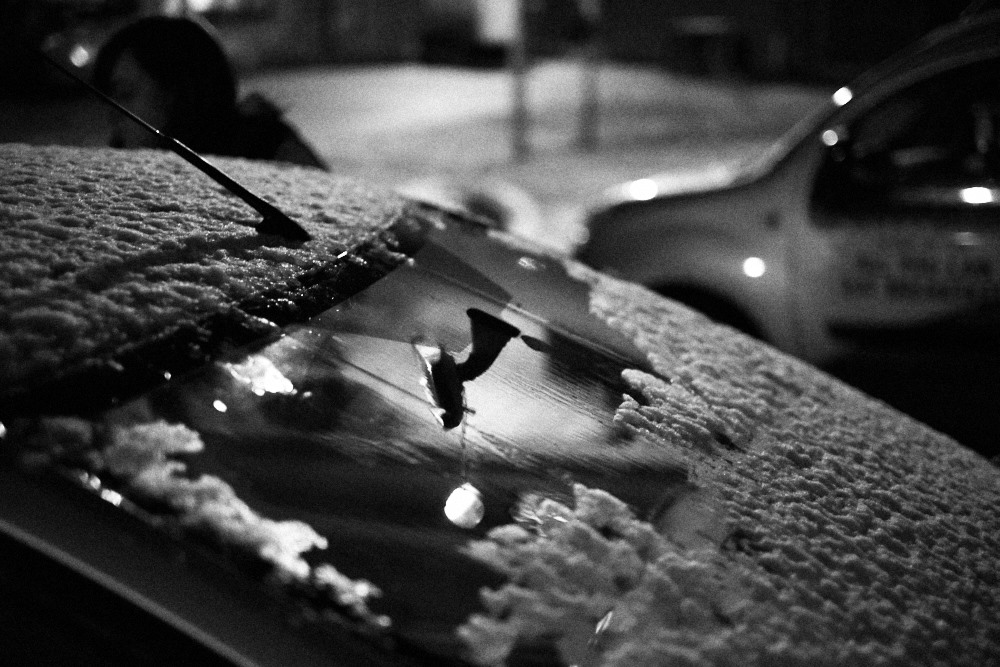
[(52, 615), (925, 147)]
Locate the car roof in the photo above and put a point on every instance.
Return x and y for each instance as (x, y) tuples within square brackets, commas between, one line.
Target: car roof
[(970, 37)]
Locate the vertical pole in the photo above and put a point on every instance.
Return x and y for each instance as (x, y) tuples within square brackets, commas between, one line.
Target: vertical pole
[(591, 98), (590, 92), (519, 75)]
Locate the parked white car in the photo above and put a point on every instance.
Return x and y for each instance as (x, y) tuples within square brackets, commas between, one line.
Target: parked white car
[(869, 233)]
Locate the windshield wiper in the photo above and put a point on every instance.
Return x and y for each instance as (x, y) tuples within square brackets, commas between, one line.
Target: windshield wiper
[(274, 220)]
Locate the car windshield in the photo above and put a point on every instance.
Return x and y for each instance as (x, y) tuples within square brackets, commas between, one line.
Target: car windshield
[(382, 435)]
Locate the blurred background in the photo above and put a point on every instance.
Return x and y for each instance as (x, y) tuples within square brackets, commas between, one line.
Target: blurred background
[(525, 111), (537, 105)]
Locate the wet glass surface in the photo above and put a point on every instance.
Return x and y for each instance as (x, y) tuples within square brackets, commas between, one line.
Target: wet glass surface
[(340, 422)]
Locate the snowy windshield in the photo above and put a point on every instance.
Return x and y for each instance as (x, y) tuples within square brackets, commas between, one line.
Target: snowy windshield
[(358, 453)]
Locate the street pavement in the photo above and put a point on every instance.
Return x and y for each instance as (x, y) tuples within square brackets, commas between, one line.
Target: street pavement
[(447, 133)]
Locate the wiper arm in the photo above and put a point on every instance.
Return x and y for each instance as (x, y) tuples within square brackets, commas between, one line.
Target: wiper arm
[(274, 220)]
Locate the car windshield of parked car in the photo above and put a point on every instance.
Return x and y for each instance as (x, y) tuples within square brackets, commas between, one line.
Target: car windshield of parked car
[(375, 439), (931, 144)]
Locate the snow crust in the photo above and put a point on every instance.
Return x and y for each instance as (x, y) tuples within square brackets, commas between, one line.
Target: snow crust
[(855, 534), (103, 247)]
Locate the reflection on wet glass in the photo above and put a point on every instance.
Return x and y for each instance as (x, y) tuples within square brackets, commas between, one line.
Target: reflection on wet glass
[(842, 96), (977, 195), (529, 263), (830, 138), (80, 56), (643, 189), (465, 507), (112, 497), (599, 630), (441, 380), (261, 376), (967, 239), (754, 267), (338, 423)]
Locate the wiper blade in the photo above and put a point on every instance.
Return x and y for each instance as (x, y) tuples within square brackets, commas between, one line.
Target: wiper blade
[(274, 220)]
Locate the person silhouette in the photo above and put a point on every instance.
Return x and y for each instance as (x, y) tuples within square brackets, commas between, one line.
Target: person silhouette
[(173, 73)]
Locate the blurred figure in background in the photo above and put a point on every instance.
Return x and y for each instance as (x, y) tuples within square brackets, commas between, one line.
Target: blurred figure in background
[(173, 73)]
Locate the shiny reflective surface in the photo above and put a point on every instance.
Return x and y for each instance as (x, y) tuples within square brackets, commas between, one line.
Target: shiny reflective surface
[(754, 267), (643, 189), (977, 195), (842, 96), (464, 506), (341, 423)]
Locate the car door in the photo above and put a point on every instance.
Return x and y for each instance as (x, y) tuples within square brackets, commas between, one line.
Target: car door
[(904, 214)]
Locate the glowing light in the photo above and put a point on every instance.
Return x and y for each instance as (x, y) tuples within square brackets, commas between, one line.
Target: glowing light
[(112, 497), (465, 507), (842, 96), (977, 195), (830, 137), (79, 56), (754, 267), (219, 405), (643, 189), (262, 376)]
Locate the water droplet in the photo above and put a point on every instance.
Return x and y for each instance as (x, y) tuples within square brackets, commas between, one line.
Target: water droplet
[(465, 507)]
